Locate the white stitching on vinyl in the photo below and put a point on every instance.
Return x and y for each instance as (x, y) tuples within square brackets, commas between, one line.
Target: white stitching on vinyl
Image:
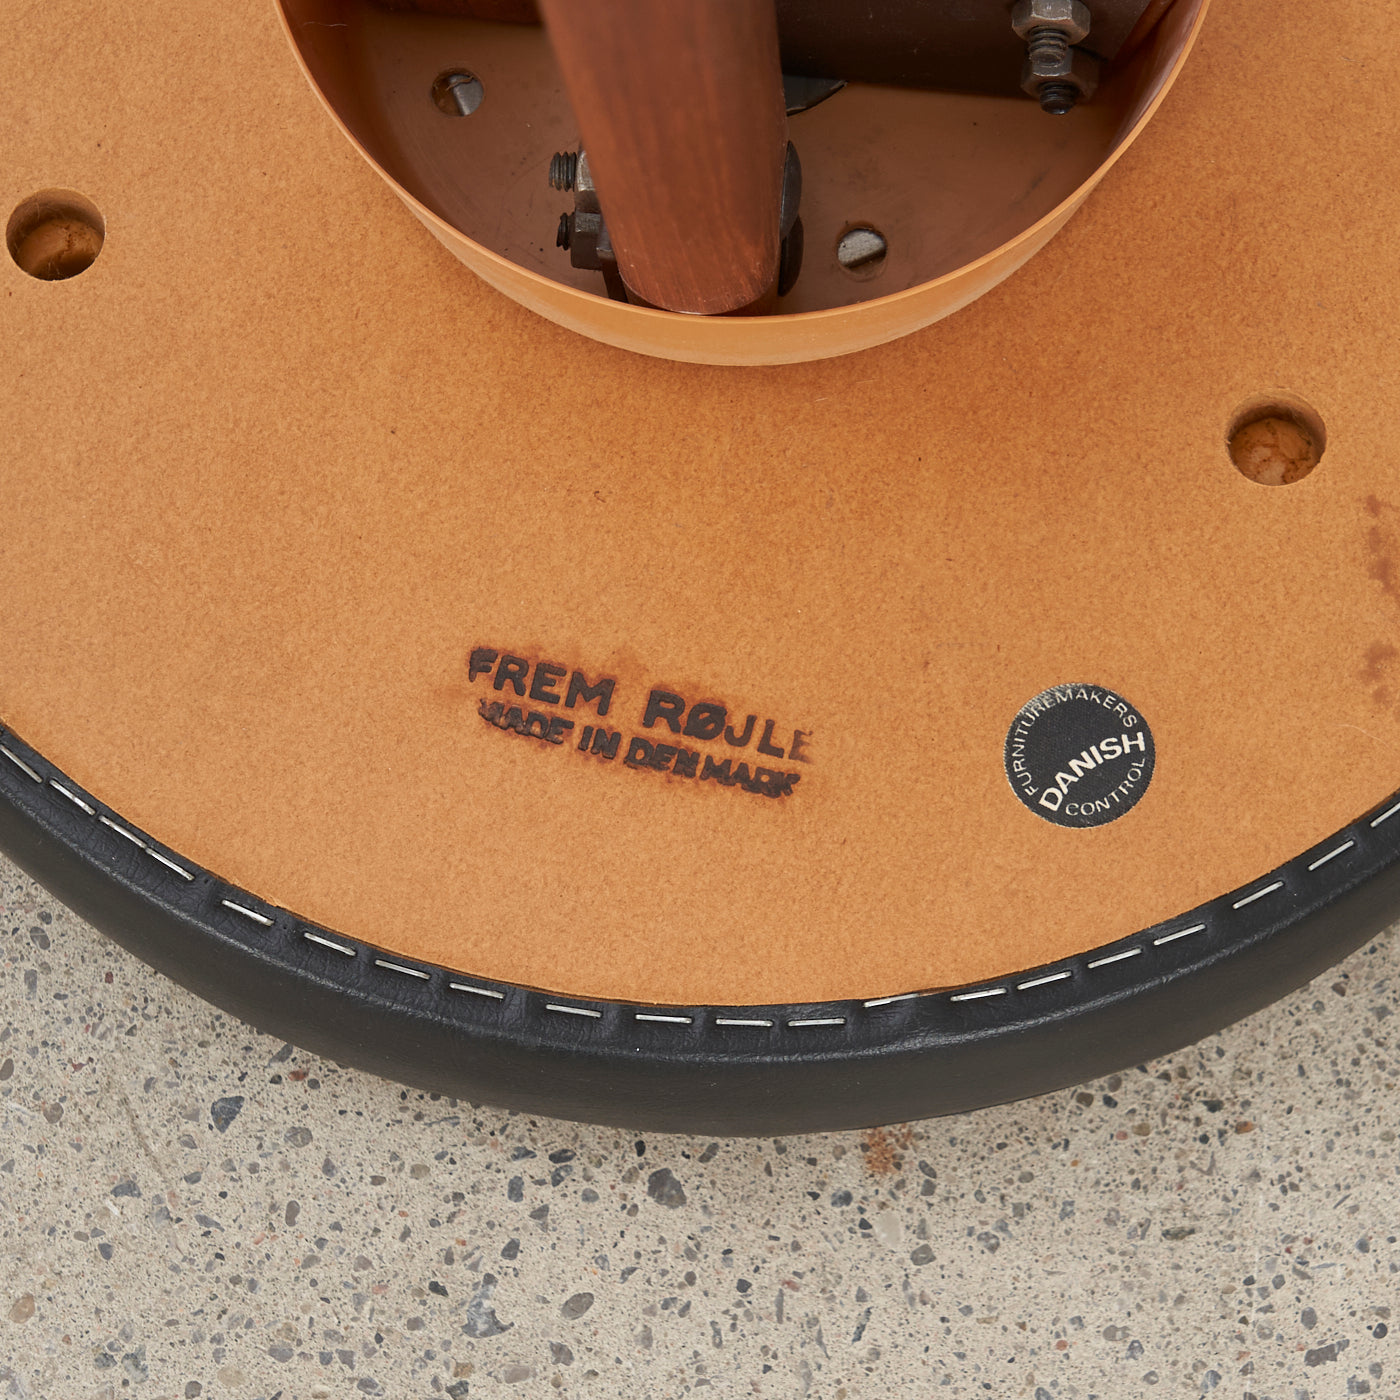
[(1180, 933), (1043, 981), (170, 864), (122, 831), (398, 967), (247, 913), (1258, 894), (327, 943), (656, 1017), (73, 798), (1116, 957), (20, 764), (1331, 855)]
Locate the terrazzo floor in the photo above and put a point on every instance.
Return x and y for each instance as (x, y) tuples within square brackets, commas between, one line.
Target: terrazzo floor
[(191, 1209)]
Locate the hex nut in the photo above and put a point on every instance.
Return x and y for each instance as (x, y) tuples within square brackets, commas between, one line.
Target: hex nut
[(1070, 17), (1080, 70)]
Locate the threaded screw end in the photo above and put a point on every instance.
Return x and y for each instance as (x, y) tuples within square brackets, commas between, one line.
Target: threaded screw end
[(565, 234), (1045, 42), (563, 170), (1059, 99)]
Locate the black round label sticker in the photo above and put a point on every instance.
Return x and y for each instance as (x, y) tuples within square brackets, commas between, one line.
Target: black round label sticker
[(1079, 755)]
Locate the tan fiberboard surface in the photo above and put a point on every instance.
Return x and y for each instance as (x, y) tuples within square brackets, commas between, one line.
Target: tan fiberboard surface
[(277, 463)]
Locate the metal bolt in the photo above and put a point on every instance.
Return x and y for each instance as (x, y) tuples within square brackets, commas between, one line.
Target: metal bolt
[(1058, 98), (862, 251), (1072, 18), (1050, 47), (1055, 72), (457, 93), (565, 234), (563, 171)]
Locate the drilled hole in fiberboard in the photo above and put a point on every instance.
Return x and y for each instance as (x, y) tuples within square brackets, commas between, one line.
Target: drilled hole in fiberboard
[(861, 251), (457, 93), (1276, 442), (55, 234)]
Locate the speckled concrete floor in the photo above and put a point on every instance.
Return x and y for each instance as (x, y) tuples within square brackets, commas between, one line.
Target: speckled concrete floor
[(191, 1209)]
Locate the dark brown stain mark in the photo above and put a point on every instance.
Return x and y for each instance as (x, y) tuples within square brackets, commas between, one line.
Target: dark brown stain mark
[(1383, 546), (1381, 542), (1382, 567), (1379, 655)]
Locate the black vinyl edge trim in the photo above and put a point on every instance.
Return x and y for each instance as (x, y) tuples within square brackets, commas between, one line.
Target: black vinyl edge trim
[(722, 1069)]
